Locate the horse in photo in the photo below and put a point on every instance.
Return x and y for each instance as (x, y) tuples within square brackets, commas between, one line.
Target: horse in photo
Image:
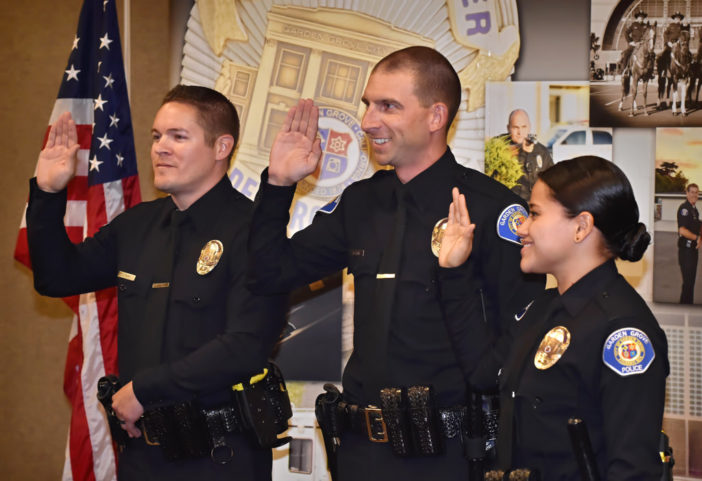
[(639, 68), (674, 73)]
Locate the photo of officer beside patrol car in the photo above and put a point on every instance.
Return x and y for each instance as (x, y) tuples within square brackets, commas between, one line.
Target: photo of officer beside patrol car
[(529, 126)]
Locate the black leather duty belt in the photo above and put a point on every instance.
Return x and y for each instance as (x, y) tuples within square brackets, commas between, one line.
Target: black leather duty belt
[(369, 422)]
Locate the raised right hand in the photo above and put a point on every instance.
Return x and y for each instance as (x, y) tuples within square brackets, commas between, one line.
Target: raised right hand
[(57, 161), (457, 243), (296, 149)]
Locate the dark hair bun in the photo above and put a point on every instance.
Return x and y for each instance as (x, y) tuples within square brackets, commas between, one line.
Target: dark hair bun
[(635, 243)]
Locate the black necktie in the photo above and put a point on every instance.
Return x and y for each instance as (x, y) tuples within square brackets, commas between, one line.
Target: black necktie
[(386, 281)]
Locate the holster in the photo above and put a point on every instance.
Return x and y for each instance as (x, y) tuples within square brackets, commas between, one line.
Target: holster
[(582, 449), (107, 386), (330, 421), (265, 408)]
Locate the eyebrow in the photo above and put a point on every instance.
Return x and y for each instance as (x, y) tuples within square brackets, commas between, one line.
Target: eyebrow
[(171, 131)]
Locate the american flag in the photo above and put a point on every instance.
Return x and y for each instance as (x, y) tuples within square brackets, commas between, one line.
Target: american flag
[(94, 90)]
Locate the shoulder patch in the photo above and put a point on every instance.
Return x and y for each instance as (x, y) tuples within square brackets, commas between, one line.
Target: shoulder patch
[(508, 221), (329, 208), (683, 211), (628, 351)]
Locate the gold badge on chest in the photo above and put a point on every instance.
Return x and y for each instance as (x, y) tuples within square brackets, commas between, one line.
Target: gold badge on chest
[(209, 257), (437, 235), (552, 347)]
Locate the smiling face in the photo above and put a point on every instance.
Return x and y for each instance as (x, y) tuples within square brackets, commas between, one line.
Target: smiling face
[(692, 194), (547, 234), (184, 163), (398, 126)]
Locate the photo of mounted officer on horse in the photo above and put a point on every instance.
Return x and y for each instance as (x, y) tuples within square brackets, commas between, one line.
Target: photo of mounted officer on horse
[(675, 69)]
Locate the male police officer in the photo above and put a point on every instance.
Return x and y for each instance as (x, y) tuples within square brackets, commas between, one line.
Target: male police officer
[(533, 156), (188, 327), (688, 243), (386, 230), (634, 34)]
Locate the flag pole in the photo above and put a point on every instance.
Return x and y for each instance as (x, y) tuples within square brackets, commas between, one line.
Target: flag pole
[(127, 46)]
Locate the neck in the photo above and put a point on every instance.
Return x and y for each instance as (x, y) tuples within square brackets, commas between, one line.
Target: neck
[(184, 200), (576, 270)]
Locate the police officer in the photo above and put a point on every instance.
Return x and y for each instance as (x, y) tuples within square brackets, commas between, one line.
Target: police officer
[(589, 348), (532, 155), (671, 35), (634, 34), (689, 229), (188, 327), (400, 337)]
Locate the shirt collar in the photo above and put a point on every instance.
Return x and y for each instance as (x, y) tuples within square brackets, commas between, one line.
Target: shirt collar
[(577, 296), (205, 211), (432, 187)]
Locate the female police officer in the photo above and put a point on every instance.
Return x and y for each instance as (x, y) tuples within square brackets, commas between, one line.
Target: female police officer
[(590, 348)]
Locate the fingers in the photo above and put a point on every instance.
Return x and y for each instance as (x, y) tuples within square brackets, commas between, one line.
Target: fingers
[(312, 119), (463, 210), (72, 134), (303, 119), (297, 116), (62, 132), (289, 120), (460, 208), (131, 428)]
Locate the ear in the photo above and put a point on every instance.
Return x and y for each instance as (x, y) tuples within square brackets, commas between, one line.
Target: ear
[(584, 224), (439, 117), (224, 144)]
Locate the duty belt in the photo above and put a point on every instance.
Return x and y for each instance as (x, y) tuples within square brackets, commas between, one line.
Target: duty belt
[(368, 421), (260, 408), (406, 419), (184, 430)]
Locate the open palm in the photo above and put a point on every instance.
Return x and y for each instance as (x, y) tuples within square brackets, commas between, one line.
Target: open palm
[(457, 242), (57, 161), (296, 149)]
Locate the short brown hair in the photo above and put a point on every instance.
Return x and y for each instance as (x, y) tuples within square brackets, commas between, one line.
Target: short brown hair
[(434, 76), (216, 114)]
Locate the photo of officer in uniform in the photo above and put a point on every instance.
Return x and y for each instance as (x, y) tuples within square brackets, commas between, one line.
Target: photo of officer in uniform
[(677, 231), (532, 155), (688, 242)]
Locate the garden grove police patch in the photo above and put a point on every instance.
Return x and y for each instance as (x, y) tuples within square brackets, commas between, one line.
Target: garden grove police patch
[(628, 351), (508, 221)]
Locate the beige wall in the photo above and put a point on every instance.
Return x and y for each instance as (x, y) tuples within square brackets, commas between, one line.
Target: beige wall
[(36, 37)]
